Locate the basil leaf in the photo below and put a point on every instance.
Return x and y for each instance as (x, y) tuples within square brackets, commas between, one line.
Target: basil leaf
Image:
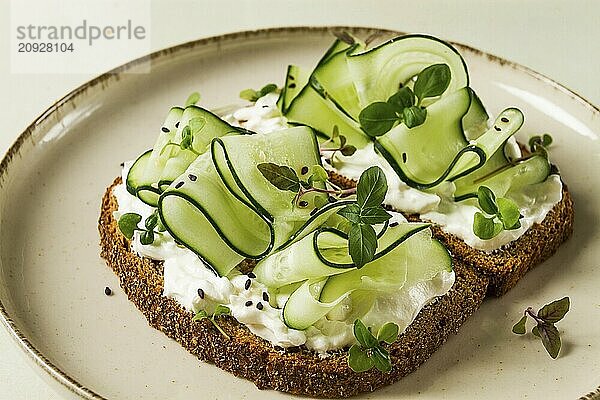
[(348, 150), (485, 228), (381, 359), (414, 116), (192, 99), (200, 315), (268, 88), (402, 99), (363, 335), (249, 94), (550, 338), (373, 215), (487, 200), (508, 212), (388, 333), (432, 81), (351, 212), (359, 360), (362, 243), (151, 221), (147, 237), (280, 176), (519, 327), (371, 188), (128, 223), (220, 309), (555, 311), (377, 118)]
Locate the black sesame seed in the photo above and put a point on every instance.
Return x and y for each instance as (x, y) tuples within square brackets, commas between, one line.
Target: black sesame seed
[(498, 129), (313, 212), (303, 203), (247, 284), (180, 184), (165, 129), (393, 224), (304, 170), (107, 291), (404, 157), (192, 177), (292, 85), (177, 124), (200, 293), (331, 199), (248, 303), (266, 106), (122, 164), (291, 77), (504, 119), (259, 305), (265, 296), (251, 275)]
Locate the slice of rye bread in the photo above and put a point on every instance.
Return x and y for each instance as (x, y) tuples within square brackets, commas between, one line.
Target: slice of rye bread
[(505, 266), (294, 370)]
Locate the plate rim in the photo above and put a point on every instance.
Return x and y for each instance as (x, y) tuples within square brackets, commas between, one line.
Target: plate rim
[(55, 372)]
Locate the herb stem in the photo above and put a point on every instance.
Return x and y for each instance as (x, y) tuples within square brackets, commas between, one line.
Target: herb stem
[(529, 311)]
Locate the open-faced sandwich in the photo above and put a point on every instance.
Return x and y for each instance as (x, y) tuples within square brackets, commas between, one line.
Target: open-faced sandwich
[(328, 239)]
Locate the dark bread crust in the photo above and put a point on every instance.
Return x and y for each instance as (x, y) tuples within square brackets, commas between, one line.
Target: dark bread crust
[(507, 265), (295, 370)]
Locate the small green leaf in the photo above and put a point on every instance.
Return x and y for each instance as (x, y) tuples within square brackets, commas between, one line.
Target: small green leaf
[(555, 311), (186, 138), (128, 223), (533, 142), (508, 212), (196, 125), (335, 133), (351, 212), (485, 228), (402, 99), (546, 140), (487, 200), (388, 333), (318, 174), (519, 327), (377, 118), (362, 243), (373, 215), (268, 88), (348, 150), (535, 331), (432, 81), (192, 99), (414, 116), (363, 335), (371, 188), (550, 338), (147, 237), (151, 221), (249, 94), (381, 359), (220, 309), (359, 360), (280, 176), (200, 315)]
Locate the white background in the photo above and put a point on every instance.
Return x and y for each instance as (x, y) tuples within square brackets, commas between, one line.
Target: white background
[(560, 39)]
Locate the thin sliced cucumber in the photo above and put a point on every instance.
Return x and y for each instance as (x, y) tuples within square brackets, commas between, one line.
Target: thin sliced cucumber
[(135, 183), (506, 179), (295, 80), (200, 212), (236, 159), (323, 253), (378, 72)]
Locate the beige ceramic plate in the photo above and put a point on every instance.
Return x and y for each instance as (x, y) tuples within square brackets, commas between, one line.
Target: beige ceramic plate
[(52, 279)]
